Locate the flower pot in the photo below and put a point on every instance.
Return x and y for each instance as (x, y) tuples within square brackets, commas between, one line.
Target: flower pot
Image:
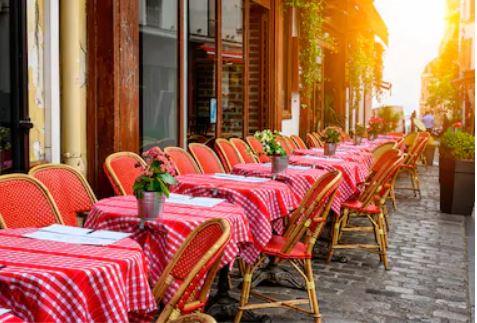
[(330, 149), (150, 206), (457, 180), (429, 154), (357, 140), (279, 164)]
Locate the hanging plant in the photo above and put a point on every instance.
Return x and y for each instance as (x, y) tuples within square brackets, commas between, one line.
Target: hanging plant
[(364, 67), (311, 20)]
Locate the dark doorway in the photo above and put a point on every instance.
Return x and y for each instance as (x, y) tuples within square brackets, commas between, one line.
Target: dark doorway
[(14, 121)]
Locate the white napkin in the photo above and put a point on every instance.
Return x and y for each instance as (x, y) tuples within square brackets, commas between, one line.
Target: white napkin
[(239, 178)]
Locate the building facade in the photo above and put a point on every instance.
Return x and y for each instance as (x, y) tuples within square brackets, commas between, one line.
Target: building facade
[(87, 78)]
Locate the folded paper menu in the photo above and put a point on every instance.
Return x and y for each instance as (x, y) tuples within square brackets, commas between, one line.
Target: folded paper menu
[(199, 201), (299, 167), (323, 158), (239, 178), (174, 197), (63, 233), (4, 311)]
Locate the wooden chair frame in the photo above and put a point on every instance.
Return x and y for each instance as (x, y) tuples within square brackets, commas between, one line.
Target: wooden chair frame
[(186, 155), (40, 186), (312, 142), (178, 305), (216, 158), (193, 318), (218, 143), (112, 173), (303, 227)]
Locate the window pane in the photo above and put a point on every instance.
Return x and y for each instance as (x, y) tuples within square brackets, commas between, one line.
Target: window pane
[(202, 104), (232, 68), (159, 72), (5, 90)]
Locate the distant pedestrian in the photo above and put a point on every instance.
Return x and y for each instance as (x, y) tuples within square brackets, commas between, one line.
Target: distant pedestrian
[(413, 116), (428, 120)]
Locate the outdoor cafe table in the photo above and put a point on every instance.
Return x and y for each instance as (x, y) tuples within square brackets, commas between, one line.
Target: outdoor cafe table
[(265, 203), (353, 173), (162, 237), (298, 178), (48, 281)]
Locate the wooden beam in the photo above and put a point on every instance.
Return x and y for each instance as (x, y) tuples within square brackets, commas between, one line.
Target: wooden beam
[(218, 66), (181, 100), (246, 68)]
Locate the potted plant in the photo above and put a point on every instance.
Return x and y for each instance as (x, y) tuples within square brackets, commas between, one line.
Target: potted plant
[(359, 133), (376, 125), (273, 149), (331, 138), (456, 172), (152, 187)]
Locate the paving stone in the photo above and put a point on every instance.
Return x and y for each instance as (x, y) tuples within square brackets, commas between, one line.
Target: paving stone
[(428, 280)]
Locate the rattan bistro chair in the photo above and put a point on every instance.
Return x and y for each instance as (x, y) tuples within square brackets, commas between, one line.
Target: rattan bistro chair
[(70, 190), (410, 165), (285, 145), (206, 158), (122, 170), (244, 150), (312, 141), (295, 247), (228, 153), (257, 148), (25, 202), (298, 142), (184, 163), (193, 269), (369, 205)]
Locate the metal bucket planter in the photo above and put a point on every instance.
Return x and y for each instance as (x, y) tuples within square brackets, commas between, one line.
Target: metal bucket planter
[(279, 164), (150, 206), (330, 149)]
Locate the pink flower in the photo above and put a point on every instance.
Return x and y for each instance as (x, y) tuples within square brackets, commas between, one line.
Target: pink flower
[(457, 125)]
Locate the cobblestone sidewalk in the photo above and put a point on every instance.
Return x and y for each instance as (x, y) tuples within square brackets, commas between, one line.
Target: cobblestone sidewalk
[(428, 280)]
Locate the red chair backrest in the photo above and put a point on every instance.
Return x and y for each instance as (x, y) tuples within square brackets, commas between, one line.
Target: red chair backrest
[(69, 189), (183, 161), (25, 202), (283, 142), (122, 170), (311, 141), (244, 150), (227, 153), (257, 148), (207, 160), (298, 142)]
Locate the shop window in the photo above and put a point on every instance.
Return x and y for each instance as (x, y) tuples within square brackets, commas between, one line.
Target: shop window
[(158, 68)]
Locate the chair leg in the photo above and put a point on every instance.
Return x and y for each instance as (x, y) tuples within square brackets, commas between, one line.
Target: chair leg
[(377, 237), (247, 283), (310, 286), (392, 192), (335, 232), (383, 242), (416, 180)]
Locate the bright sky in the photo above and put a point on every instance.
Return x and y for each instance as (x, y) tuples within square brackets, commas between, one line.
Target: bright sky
[(415, 30)]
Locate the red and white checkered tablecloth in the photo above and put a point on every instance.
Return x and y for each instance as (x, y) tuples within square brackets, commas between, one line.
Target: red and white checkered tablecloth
[(353, 173), (265, 204), (361, 157), (10, 318), (47, 281), (300, 181), (161, 238)]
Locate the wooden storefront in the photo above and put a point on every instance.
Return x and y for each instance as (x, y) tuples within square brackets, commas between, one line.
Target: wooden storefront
[(157, 73)]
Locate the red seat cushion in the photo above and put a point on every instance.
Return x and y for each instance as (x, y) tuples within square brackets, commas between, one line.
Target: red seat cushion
[(275, 247), (408, 166), (356, 205)]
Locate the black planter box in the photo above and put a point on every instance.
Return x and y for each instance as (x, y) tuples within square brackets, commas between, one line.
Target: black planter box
[(456, 178)]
